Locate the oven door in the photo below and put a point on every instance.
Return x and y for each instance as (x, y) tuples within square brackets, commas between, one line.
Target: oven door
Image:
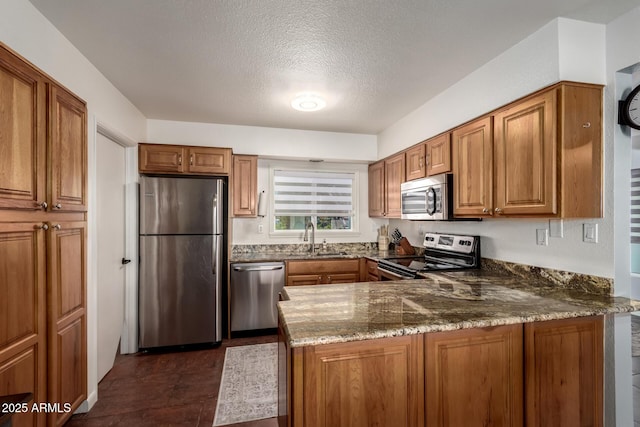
[(386, 275)]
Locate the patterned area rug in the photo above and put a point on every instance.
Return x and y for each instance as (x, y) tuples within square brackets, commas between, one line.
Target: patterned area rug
[(635, 336), (249, 385)]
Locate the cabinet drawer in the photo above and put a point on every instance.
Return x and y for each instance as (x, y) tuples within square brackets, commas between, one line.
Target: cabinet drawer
[(323, 266)]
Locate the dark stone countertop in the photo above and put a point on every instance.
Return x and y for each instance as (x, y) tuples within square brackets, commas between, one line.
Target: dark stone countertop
[(324, 314)]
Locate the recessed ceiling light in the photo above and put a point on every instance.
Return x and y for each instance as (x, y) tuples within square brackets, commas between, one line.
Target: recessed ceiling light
[(308, 102)]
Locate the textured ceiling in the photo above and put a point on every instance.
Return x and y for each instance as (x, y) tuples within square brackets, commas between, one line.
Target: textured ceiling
[(242, 61)]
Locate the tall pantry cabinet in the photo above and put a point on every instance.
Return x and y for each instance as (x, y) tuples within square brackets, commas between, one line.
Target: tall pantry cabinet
[(43, 232)]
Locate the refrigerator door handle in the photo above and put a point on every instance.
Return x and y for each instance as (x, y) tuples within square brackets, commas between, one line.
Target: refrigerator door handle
[(218, 197), (216, 259)]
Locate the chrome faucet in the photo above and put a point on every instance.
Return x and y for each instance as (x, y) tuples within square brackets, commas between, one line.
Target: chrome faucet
[(312, 249)]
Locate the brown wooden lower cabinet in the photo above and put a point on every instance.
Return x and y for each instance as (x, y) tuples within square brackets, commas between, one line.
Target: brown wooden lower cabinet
[(364, 383), (563, 372), (67, 356), (474, 377), (323, 272), (536, 374), (23, 353), (43, 333)]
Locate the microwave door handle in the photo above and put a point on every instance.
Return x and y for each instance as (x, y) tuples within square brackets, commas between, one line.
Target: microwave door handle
[(431, 194)]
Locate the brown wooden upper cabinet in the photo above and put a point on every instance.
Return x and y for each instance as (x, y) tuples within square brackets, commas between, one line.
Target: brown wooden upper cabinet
[(245, 185), (43, 141), (430, 157), (385, 178), (181, 159), (472, 168), (544, 159)]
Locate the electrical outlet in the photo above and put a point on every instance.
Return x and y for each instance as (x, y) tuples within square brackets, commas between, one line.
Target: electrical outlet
[(260, 229), (589, 232), (542, 237)]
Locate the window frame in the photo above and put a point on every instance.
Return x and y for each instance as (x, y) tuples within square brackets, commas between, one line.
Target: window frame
[(355, 194)]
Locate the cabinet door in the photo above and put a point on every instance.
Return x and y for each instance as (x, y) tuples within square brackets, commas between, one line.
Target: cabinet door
[(304, 279), (472, 147), (160, 158), (22, 315), (245, 185), (563, 372), (209, 160), (365, 383), (415, 158), (393, 177), (581, 147), (372, 271), (376, 190), (342, 277), (438, 154), (22, 159), (525, 147), (474, 377), (67, 351), (67, 151)]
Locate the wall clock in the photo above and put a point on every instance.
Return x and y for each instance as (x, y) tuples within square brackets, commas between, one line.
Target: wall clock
[(629, 109)]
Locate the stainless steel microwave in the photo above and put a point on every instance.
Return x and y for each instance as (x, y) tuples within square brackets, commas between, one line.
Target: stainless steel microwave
[(428, 198)]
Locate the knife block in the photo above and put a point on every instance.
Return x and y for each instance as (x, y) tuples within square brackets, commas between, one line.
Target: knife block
[(404, 247)]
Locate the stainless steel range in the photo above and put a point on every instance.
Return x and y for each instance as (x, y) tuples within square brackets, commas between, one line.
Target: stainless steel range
[(443, 252)]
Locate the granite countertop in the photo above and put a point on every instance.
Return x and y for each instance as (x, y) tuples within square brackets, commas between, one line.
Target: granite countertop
[(325, 314), (305, 255)]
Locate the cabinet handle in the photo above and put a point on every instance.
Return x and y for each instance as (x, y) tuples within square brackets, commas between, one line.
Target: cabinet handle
[(587, 125), (329, 279), (57, 206), (319, 279), (485, 210), (43, 205), (499, 211), (57, 227), (191, 160), (421, 162), (44, 227), (180, 159)]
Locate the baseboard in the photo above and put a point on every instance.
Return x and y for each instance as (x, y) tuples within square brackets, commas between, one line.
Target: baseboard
[(88, 404)]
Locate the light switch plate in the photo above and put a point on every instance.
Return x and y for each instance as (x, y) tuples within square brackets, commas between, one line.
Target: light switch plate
[(589, 232), (556, 228), (542, 237)]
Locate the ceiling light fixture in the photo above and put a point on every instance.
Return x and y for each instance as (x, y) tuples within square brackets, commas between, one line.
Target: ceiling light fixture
[(308, 102)]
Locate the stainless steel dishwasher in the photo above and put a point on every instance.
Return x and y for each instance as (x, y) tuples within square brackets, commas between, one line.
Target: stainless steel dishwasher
[(254, 294)]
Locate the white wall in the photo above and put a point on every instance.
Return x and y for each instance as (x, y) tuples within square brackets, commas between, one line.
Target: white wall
[(561, 50), (26, 31)]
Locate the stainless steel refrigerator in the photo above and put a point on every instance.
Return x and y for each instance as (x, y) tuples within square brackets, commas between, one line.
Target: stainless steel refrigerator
[(182, 246)]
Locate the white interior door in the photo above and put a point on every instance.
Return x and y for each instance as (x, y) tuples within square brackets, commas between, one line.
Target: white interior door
[(110, 219)]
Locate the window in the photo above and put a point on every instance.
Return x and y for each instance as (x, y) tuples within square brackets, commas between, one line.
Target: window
[(635, 221), (326, 199)]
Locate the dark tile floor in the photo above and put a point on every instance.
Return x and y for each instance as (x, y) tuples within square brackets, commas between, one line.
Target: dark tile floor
[(167, 389)]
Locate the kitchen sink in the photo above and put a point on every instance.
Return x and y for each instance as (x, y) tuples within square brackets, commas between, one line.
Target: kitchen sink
[(329, 254)]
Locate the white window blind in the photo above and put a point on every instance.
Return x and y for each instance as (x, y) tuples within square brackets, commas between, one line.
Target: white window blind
[(313, 193), (635, 205)]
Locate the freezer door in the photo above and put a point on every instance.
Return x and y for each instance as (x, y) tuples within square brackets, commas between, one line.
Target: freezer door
[(181, 205), (179, 295)]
